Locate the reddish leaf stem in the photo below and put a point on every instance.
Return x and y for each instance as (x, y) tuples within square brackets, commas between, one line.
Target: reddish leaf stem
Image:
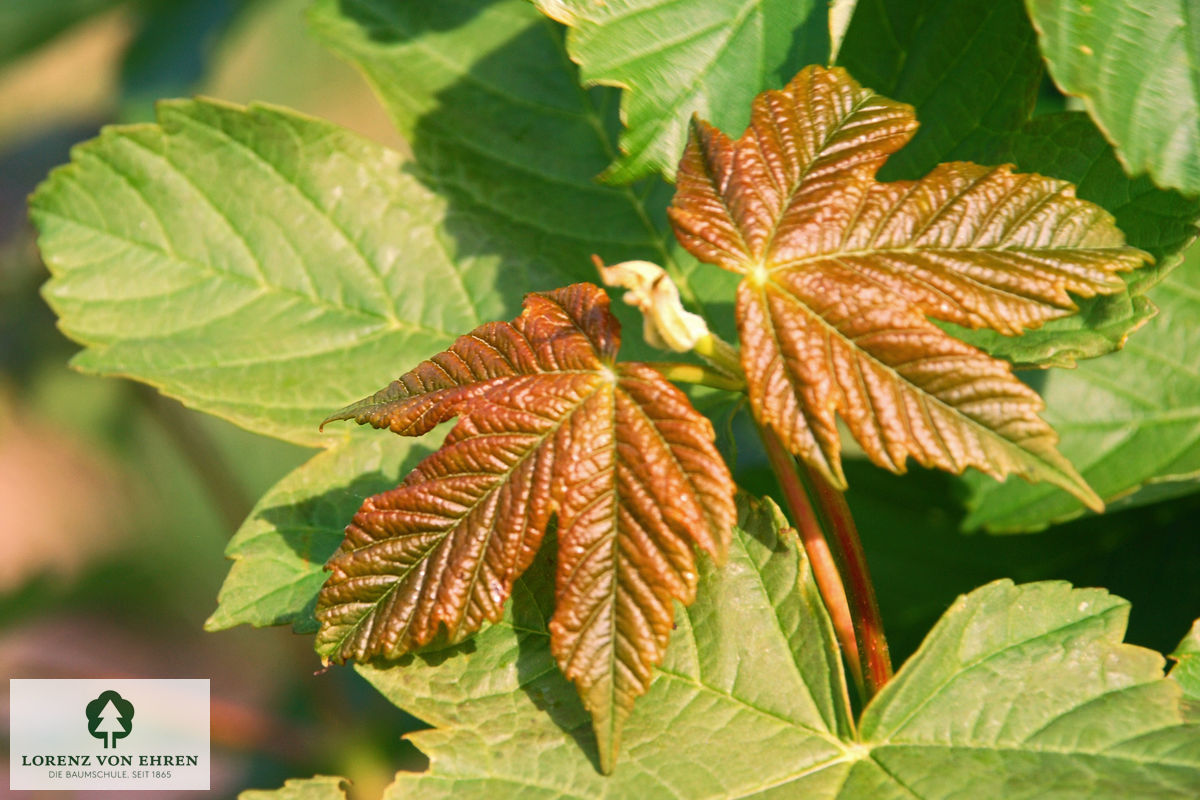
[(824, 567), (831, 542), (852, 562)]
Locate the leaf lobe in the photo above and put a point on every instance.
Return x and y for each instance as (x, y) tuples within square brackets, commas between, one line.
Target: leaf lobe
[(549, 426), (843, 274)]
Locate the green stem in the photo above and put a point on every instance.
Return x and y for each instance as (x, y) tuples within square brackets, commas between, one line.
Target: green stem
[(835, 553), (698, 373), (722, 355)]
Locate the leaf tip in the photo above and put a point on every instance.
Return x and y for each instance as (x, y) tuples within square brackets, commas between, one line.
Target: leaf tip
[(827, 462), (346, 412), (1069, 479), (608, 742)]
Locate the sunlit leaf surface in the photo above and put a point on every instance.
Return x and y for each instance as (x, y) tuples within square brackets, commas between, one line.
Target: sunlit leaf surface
[(672, 60), (1135, 67), (842, 275), (549, 426), (750, 702)]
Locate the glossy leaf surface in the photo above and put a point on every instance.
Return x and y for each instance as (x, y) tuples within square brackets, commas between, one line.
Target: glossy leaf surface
[(756, 653), (1130, 420), (549, 425), (842, 273), (195, 255), (1135, 66), (672, 60), (972, 71), (1105, 722)]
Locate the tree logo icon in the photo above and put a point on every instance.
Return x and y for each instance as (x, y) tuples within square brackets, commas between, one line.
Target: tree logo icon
[(110, 717)]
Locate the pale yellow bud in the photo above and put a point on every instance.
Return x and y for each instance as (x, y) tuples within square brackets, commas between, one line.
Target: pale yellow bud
[(666, 325)]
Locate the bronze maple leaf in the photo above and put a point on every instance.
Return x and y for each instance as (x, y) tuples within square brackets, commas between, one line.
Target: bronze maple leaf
[(549, 425), (843, 273)]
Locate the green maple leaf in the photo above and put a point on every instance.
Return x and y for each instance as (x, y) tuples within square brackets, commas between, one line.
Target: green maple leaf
[(751, 701), (677, 59), (1135, 68)]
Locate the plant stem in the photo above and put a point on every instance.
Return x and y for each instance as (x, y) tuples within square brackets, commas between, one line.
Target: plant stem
[(698, 373), (721, 354), (838, 564), (847, 548), (826, 528), (824, 567)]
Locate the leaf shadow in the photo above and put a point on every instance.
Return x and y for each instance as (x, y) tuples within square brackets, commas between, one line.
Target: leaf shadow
[(513, 147), (379, 18), (313, 528), (1033, 378), (750, 510), (434, 654), (810, 45), (537, 672), (538, 675)]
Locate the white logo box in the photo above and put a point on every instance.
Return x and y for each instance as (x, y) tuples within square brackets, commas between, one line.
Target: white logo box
[(57, 742)]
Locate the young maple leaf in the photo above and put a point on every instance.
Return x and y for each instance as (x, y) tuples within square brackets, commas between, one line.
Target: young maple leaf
[(842, 274), (548, 425)]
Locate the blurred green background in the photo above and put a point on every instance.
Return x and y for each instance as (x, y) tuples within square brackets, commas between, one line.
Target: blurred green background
[(116, 503)]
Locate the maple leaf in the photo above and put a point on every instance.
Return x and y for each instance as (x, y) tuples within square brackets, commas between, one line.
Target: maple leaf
[(843, 273), (549, 425)]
